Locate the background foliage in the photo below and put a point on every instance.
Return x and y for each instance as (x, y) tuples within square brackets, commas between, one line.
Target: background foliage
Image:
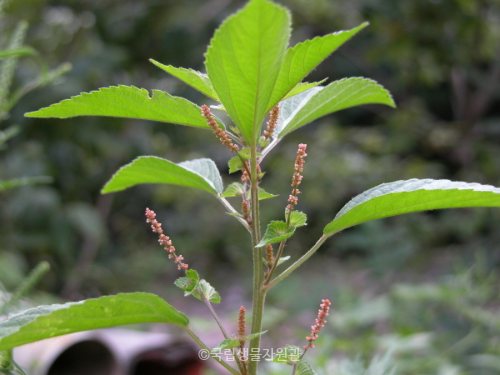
[(440, 59)]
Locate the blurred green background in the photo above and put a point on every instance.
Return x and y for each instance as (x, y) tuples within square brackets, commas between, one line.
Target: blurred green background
[(425, 284)]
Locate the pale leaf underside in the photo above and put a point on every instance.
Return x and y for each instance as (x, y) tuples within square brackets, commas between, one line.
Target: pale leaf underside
[(200, 174), (413, 195)]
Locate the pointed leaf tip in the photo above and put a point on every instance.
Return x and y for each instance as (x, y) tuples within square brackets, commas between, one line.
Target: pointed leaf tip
[(244, 59), (401, 197), (127, 102)]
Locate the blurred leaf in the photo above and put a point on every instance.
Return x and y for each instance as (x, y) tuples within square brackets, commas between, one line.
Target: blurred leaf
[(298, 219), (228, 344), (17, 52), (129, 102), (199, 173), (195, 79), (54, 320), (401, 197), (304, 368), (303, 86), (16, 182), (243, 62), (8, 133), (289, 354)]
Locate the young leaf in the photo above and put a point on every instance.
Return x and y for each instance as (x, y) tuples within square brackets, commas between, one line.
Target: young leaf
[(289, 354), (401, 197), (304, 368), (189, 283), (262, 194), (195, 79), (303, 86), (130, 102), (277, 231), (243, 62), (227, 344), (233, 190), (200, 174), (298, 219), (345, 93), (235, 164), (44, 322), (301, 59), (208, 291), (253, 335)]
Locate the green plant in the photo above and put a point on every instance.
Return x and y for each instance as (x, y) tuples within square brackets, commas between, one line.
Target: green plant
[(250, 72)]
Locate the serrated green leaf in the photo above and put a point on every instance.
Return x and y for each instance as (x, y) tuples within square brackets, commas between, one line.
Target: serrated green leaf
[(54, 320), (289, 354), (298, 219), (244, 60), (401, 197), (206, 290), (129, 102), (262, 194), (301, 59), (277, 231), (304, 368), (234, 190), (197, 80), (345, 93), (235, 164), (199, 173), (16, 182), (303, 86), (227, 344)]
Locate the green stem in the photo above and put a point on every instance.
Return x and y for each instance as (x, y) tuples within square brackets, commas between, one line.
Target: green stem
[(203, 346), (259, 294), (297, 263)]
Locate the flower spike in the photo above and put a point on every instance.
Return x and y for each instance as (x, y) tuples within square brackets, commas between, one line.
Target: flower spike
[(297, 177), (220, 133), (165, 240), (320, 323)]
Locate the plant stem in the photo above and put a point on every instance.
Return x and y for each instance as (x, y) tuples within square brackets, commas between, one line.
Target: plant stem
[(297, 263), (224, 333), (259, 294), (216, 317), (203, 346)]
